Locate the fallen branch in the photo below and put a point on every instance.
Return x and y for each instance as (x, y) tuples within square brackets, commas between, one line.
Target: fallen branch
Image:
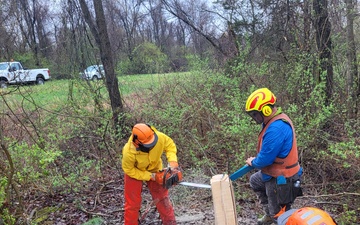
[(331, 195), (81, 207), (328, 203), (97, 197), (330, 183)]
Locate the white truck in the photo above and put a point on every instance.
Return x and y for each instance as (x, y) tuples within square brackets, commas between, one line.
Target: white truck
[(15, 73)]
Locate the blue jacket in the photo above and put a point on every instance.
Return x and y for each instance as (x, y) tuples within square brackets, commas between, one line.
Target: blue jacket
[(277, 142)]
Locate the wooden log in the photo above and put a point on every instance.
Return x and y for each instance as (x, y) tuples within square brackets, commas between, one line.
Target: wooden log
[(223, 200)]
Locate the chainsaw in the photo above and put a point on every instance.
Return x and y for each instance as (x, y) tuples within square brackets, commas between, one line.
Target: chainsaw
[(237, 174), (172, 177)]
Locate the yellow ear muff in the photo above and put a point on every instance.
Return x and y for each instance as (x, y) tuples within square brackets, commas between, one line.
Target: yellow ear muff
[(266, 110)]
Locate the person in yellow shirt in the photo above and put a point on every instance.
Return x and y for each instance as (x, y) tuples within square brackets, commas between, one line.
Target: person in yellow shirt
[(141, 162)]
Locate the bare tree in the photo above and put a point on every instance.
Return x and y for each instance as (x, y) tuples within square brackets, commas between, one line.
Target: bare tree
[(7, 32), (130, 17), (352, 76), (31, 19), (99, 31), (324, 45), (182, 11), (72, 38), (158, 25)]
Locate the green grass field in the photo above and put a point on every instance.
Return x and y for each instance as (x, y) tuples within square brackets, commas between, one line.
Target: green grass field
[(56, 93)]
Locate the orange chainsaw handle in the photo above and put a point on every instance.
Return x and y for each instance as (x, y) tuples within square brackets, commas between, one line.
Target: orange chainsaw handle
[(171, 177)]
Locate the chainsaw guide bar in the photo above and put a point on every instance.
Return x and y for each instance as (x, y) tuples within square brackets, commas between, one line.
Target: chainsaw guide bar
[(195, 185)]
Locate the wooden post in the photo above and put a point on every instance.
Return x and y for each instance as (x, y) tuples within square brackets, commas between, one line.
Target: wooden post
[(223, 200)]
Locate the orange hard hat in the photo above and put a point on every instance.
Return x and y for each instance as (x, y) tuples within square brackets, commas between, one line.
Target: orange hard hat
[(144, 135), (310, 215)]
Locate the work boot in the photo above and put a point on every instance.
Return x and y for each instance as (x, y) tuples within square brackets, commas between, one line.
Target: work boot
[(265, 220)]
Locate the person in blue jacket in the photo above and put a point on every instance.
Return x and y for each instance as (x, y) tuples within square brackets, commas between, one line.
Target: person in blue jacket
[(277, 183)]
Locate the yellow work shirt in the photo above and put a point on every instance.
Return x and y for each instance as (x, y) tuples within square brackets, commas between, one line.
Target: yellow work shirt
[(139, 165)]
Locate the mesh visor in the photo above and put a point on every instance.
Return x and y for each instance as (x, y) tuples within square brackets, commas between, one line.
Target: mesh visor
[(257, 116)]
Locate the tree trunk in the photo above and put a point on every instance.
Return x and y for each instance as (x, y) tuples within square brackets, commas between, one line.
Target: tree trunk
[(29, 32), (307, 47), (352, 75), (99, 30), (323, 39)]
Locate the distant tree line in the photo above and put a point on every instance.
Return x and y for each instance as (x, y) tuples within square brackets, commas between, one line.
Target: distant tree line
[(151, 36)]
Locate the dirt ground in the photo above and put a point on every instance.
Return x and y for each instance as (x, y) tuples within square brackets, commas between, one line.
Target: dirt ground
[(102, 203)]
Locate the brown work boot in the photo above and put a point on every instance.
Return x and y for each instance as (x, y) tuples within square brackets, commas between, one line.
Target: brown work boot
[(265, 220)]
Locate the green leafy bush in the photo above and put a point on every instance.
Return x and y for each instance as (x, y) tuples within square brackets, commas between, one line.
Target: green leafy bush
[(146, 58)]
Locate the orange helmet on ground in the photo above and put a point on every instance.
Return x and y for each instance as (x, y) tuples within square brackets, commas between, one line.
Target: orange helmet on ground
[(305, 216), (144, 135)]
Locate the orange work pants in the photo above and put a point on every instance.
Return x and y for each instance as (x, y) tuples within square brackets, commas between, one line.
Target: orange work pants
[(132, 193)]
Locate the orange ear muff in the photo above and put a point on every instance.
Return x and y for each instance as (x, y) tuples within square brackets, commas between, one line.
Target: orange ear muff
[(266, 110), (136, 141)]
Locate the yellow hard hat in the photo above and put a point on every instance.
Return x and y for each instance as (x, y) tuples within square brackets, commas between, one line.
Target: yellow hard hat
[(258, 101)]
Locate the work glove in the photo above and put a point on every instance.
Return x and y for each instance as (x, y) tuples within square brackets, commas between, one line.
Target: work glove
[(173, 165)]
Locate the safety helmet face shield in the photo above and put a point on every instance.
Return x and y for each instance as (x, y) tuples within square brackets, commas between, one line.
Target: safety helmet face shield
[(143, 148), (257, 116), (144, 137)]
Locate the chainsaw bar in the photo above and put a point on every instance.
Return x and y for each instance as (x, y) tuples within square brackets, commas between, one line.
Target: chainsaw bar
[(195, 185)]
